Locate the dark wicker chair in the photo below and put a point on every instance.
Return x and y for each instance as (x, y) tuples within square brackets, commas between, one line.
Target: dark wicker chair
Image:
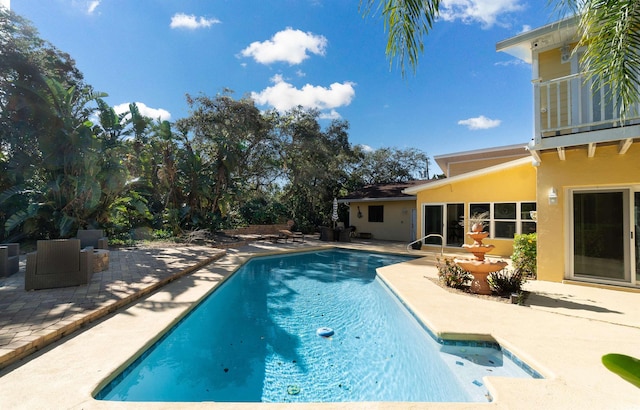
[(92, 237), (9, 258), (58, 263)]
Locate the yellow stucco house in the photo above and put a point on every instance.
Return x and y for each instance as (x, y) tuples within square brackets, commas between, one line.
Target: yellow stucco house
[(383, 211), (588, 166), (500, 182)]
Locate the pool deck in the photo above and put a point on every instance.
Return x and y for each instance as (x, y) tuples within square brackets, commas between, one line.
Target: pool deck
[(562, 331)]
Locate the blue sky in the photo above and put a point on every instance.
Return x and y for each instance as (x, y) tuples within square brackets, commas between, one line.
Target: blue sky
[(315, 53)]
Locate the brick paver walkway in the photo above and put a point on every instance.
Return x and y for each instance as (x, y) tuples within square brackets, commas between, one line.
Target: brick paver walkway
[(31, 320)]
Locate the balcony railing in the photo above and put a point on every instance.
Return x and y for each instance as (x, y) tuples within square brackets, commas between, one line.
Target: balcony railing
[(568, 105)]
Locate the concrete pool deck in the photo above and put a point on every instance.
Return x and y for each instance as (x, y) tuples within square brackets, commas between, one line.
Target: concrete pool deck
[(563, 331)]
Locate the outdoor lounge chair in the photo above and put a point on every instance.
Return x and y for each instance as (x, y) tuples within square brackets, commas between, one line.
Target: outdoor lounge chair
[(58, 263), (9, 258), (92, 237), (287, 234)]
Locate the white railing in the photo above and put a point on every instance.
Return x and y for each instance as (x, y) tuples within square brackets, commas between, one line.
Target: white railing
[(568, 105), (427, 237)]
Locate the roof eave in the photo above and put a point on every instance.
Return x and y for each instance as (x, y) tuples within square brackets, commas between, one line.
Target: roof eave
[(520, 46), (382, 199)]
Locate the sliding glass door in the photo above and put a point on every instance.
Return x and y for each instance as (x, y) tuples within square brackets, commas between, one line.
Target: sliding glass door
[(446, 220), (601, 235), (433, 223)]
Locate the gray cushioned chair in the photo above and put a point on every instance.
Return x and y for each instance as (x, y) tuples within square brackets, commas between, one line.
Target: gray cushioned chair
[(9, 258), (92, 237), (58, 263)]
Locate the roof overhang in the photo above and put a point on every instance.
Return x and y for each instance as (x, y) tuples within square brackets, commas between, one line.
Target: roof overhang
[(622, 136), (549, 36), (394, 199)]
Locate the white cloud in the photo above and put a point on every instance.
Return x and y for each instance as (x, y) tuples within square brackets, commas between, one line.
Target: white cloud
[(331, 115), (485, 12), (284, 96), (85, 6), (480, 123), (288, 45), (153, 113), (366, 148), (525, 28), (514, 62), (191, 22), (93, 5)]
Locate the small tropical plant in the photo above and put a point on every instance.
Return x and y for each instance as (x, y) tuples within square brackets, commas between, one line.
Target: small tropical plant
[(452, 275), (506, 281), (525, 254), (478, 221)]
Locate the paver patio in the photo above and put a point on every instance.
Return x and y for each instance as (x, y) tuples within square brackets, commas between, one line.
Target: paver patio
[(31, 320)]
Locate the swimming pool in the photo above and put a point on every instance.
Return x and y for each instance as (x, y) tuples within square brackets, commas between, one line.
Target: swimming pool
[(254, 339)]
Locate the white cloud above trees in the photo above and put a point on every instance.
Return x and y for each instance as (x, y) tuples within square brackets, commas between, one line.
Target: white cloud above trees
[(289, 45), (191, 22), (153, 113), (479, 123), (485, 12), (284, 96)]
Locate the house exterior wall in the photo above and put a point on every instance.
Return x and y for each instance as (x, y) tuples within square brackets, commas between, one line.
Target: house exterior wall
[(458, 168), (512, 184), (550, 66), (397, 219), (606, 169)]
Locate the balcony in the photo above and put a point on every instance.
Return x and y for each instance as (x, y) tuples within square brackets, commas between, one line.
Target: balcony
[(568, 113)]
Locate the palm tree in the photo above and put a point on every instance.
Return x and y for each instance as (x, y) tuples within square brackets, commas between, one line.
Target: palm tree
[(608, 29)]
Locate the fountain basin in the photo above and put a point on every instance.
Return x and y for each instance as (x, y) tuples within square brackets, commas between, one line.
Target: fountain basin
[(480, 270)]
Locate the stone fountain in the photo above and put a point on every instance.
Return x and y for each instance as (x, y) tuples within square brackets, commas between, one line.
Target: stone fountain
[(479, 267)]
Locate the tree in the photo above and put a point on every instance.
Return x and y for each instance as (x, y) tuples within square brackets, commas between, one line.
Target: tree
[(226, 137), (65, 191), (609, 29), (314, 163), (389, 165)]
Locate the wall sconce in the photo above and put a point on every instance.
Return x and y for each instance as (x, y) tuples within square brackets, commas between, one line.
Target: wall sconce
[(359, 212), (553, 196)]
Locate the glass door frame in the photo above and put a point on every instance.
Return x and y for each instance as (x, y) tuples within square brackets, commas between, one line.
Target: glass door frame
[(628, 229), (442, 232)]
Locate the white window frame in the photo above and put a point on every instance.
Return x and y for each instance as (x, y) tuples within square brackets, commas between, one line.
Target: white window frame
[(492, 219)]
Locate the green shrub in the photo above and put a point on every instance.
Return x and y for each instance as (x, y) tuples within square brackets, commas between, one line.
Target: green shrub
[(162, 234), (506, 281), (451, 274), (525, 254)]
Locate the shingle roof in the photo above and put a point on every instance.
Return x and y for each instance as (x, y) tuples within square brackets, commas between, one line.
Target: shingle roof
[(383, 191)]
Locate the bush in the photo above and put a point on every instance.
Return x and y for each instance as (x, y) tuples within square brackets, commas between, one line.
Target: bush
[(506, 282), (525, 254), (160, 234), (451, 274)]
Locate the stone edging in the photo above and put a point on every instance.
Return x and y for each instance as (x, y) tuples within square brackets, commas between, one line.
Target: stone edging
[(50, 337)]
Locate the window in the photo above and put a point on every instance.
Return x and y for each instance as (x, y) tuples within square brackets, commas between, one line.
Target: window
[(376, 213), (506, 218)]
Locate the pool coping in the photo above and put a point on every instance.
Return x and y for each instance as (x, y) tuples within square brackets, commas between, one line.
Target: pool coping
[(81, 365)]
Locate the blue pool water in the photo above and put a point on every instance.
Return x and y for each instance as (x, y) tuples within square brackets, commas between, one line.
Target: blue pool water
[(254, 339)]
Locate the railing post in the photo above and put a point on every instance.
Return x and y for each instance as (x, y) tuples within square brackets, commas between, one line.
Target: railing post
[(536, 112)]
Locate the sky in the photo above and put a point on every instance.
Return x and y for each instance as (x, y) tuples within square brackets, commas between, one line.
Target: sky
[(316, 53)]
